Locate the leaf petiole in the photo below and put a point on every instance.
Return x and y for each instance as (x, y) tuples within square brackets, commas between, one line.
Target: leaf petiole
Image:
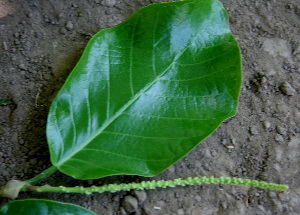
[(42, 176)]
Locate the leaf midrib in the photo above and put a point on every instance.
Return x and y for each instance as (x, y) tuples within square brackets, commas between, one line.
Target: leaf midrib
[(135, 98)]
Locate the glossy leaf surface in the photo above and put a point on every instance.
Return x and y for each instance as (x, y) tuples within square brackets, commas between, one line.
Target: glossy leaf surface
[(42, 207), (146, 92)]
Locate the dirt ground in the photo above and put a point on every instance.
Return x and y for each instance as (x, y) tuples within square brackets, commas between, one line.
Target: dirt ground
[(40, 43)]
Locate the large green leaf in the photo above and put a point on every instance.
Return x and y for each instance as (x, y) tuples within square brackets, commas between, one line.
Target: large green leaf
[(146, 92), (42, 207)]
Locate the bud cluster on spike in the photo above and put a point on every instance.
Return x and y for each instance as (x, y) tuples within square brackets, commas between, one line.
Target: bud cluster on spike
[(163, 184)]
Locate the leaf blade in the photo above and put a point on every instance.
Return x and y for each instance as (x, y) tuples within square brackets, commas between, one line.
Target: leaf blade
[(138, 76), (42, 207)]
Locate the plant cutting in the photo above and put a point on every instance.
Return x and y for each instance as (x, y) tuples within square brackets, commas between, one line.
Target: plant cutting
[(142, 96)]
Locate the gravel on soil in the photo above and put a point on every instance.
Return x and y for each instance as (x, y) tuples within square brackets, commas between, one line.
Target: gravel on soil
[(40, 43)]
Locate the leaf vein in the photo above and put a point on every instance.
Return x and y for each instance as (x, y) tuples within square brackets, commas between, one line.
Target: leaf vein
[(133, 99), (128, 157)]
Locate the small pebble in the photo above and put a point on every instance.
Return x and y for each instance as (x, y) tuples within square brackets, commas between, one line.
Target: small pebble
[(122, 211), (63, 30), (281, 130), (253, 130), (214, 153), (229, 147), (22, 66), (224, 205), (198, 198), (287, 89), (109, 3), (130, 204), (284, 197), (180, 211), (69, 25), (5, 47), (224, 142), (272, 194), (140, 195), (266, 124), (279, 138)]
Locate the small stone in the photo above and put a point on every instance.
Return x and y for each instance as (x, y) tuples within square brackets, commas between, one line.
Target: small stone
[(272, 194), (290, 6), (229, 147), (263, 80), (122, 211), (109, 3), (253, 130), (97, 1), (204, 210), (69, 25), (214, 153), (296, 51), (281, 130), (284, 197), (277, 47), (5, 47), (22, 66), (140, 195), (180, 211), (63, 30), (233, 141), (287, 89), (224, 205), (61, 15), (224, 142), (130, 204), (266, 124), (279, 138), (198, 198)]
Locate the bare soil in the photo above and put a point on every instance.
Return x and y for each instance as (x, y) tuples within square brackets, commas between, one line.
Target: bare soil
[(40, 43)]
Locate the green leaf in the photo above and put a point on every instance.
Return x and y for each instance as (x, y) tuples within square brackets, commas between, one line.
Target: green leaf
[(5, 102), (42, 207), (146, 92)]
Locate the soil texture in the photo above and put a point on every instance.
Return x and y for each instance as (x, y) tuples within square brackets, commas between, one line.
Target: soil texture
[(40, 43)]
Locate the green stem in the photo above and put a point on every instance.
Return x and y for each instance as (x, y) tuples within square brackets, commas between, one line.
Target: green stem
[(13, 187), (41, 176), (160, 184)]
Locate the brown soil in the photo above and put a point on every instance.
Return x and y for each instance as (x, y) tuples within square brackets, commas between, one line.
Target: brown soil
[(41, 41)]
